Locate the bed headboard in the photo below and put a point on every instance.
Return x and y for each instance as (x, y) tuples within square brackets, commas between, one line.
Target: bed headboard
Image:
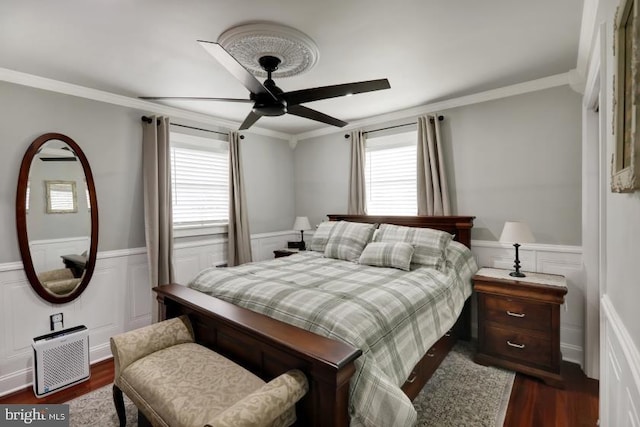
[(459, 226)]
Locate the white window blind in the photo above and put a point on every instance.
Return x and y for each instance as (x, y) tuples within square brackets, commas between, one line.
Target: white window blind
[(61, 196), (200, 180), (391, 174), (28, 194)]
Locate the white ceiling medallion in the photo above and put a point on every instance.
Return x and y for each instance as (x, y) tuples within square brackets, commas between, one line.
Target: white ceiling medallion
[(248, 42)]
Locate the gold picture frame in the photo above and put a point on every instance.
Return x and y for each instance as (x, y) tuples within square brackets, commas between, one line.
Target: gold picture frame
[(624, 162)]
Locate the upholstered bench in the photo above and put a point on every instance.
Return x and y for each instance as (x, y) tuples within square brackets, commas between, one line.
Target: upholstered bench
[(175, 382)]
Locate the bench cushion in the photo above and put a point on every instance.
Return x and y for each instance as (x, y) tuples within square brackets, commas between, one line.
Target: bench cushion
[(179, 386)]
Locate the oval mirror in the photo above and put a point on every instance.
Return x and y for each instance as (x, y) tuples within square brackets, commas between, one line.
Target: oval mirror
[(57, 218)]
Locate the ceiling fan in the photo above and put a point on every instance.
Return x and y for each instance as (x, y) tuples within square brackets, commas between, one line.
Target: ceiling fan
[(268, 99)]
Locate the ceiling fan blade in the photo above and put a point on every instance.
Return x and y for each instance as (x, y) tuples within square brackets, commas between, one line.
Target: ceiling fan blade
[(192, 98), (300, 111), (235, 68), (249, 120), (315, 94)]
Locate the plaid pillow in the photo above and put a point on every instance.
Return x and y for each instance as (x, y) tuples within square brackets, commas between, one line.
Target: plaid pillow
[(321, 236), (384, 254), (429, 244), (348, 239)]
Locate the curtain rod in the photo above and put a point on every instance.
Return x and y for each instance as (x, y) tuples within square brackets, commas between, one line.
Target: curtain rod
[(148, 120), (346, 135)]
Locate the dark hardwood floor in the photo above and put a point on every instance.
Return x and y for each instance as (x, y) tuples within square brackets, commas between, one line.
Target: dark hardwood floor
[(532, 403), (101, 375)]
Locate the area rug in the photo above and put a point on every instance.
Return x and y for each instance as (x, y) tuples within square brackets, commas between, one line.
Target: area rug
[(460, 393), (463, 393)]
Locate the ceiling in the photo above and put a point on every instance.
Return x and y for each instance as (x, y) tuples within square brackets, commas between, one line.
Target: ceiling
[(430, 50)]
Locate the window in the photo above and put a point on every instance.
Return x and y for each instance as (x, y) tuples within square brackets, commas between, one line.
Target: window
[(61, 197), (199, 181), (391, 174)]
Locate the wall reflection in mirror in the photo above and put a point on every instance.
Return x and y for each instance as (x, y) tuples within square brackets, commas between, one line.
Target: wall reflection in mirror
[(58, 218)]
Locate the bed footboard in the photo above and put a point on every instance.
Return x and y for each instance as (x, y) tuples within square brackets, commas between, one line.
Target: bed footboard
[(268, 348)]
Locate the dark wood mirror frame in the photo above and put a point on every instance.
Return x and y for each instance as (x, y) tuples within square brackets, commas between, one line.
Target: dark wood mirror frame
[(21, 219)]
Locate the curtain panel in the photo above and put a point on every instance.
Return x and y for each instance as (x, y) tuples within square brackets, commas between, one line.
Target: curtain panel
[(433, 192), (357, 204), (239, 234), (156, 167)]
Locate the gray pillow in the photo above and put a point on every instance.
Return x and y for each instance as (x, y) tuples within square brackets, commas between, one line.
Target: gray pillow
[(348, 239), (429, 244), (385, 254), (321, 236)]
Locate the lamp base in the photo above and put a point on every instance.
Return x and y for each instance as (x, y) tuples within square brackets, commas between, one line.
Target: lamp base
[(517, 274)]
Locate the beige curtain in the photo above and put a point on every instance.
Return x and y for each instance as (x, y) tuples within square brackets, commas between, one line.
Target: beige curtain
[(357, 187), (433, 194), (239, 235), (156, 167)]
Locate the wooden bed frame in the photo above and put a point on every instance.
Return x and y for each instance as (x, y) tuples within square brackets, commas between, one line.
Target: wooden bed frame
[(269, 347)]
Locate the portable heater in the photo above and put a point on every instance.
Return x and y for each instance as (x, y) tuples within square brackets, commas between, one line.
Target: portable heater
[(61, 359)]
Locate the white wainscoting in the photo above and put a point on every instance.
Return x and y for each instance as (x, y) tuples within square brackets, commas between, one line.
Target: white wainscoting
[(550, 259), (619, 371), (46, 253), (118, 299), (191, 257)]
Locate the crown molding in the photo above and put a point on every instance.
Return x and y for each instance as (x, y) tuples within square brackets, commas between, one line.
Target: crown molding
[(146, 107), (489, 95)]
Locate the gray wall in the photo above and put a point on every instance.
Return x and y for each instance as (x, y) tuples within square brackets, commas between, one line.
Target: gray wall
[(268, 170), (513, 158), (622, 212), (110, 137)]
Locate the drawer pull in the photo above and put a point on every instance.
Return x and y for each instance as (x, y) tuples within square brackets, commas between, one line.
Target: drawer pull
[(511, 313), (431, 354), (413, 378), (514, 344)]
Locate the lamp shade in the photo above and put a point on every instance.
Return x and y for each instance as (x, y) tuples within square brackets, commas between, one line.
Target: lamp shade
[(516, 232), (301, 223)]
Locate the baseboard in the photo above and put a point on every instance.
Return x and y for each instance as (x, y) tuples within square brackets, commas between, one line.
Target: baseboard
[(22, 379), (572, 353), (15, 381)]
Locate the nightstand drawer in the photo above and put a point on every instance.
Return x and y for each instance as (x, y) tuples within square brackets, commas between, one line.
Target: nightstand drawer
[(519, 346), (514, 312)]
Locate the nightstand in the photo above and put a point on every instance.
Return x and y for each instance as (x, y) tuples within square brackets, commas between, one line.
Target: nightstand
[(519, 322), (278, 253)]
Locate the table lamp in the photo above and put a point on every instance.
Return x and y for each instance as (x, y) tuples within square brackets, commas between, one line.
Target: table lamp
[(302, 223), (516, 232)]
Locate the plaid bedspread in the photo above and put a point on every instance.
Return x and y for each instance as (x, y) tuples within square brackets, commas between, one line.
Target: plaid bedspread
[(393, 316)]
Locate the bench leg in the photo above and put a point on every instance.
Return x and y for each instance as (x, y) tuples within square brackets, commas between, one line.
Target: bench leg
[(118, 401)]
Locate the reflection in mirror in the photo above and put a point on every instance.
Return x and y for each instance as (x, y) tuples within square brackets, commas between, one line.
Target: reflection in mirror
[(61, 197), (57, 230)]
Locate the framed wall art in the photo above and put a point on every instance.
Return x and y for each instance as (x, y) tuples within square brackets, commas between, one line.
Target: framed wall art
[(626, 127)]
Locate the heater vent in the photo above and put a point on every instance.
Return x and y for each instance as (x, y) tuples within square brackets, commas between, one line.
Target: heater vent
[(61, 360)]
